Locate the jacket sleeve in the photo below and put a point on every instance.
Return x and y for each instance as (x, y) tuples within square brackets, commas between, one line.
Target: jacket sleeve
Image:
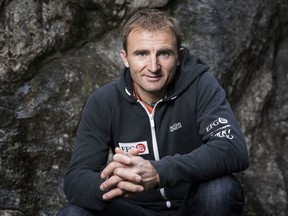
[(89, 157), (223, 151)]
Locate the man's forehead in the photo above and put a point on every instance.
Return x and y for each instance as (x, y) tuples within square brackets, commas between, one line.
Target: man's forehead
[(143, 35), (140, 30)]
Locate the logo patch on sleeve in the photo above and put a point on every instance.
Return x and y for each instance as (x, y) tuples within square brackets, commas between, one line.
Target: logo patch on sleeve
[(142, 146)]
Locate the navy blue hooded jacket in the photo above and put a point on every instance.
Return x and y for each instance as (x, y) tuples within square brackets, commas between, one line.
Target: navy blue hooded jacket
[(191, 136)]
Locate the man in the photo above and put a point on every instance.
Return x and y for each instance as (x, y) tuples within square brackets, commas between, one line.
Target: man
[(174, 137)]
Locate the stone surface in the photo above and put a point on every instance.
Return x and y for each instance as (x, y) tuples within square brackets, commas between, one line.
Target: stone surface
[(54, 53)]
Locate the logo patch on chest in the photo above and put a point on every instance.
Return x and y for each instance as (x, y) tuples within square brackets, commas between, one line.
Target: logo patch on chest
[(175, 127), (142, 146)]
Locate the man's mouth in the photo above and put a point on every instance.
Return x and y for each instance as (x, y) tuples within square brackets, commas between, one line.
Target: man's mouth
[(153, 78)]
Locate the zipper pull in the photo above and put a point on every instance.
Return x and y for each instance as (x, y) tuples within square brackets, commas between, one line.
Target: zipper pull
[(152, 121)]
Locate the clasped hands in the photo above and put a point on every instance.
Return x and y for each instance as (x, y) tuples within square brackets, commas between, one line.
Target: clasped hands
[(128, 173)]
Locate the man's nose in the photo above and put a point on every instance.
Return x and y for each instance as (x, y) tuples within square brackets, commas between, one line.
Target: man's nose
[(153, 64)]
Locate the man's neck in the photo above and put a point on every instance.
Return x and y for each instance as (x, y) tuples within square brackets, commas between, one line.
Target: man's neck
[(146, 97)]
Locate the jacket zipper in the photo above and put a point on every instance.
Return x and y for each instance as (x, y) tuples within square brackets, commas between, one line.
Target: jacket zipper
[(155, 146), (153, 133)]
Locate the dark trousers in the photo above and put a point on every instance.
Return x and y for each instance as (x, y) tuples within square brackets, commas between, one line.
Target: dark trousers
[(218, 197)]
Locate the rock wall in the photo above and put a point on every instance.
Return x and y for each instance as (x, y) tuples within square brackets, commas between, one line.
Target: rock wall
[(54, 53)]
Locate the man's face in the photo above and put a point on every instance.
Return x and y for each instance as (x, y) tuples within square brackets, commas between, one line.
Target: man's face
[(152, 58)]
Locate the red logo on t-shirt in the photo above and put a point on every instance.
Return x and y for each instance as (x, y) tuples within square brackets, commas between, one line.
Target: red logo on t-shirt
[(141, 147)]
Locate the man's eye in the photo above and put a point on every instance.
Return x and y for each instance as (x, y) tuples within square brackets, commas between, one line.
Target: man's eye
[(141, 54), (164, 53)]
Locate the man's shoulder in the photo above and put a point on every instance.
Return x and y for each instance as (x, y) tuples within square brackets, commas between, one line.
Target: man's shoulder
[(108, 90), (107, 96)]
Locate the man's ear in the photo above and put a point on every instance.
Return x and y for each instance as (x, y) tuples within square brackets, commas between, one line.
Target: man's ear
[(124, 58), (180, 55)]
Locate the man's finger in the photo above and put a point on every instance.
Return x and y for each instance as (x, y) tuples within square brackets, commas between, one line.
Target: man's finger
[(116, 192), (111, 182), (128, 175), (133, 152), (109, 169), (124, 159), (118, 151), (123, 189), (130, 187)]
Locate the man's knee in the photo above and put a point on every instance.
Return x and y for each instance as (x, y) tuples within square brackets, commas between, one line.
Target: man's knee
[(223, 189), (220, 196)]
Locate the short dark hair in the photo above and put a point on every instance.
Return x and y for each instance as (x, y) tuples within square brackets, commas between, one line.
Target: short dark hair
[(152, 20)]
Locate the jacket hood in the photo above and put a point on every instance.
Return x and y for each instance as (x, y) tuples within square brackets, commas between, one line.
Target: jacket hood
[(190, 68), (187, 72)]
